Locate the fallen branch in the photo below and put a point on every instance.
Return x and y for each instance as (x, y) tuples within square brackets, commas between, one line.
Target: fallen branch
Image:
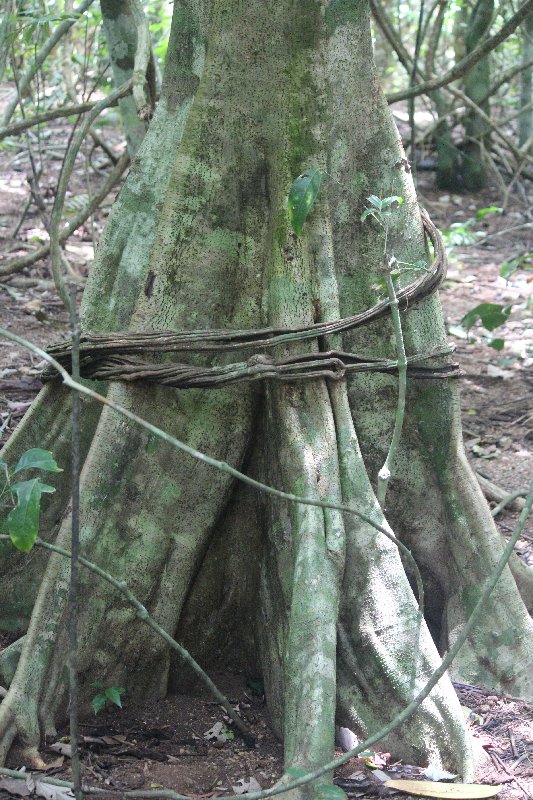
[(496, 493), (508, 500)]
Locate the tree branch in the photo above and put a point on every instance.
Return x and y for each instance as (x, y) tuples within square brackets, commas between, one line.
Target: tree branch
[(66, 171), (463, 66), (46, 116), (27, 77)]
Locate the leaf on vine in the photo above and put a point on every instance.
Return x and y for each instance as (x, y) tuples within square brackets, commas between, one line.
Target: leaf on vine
[(98, 702), (302, 196), (23, 520), (37, 459), (491, 316), (113, 694)]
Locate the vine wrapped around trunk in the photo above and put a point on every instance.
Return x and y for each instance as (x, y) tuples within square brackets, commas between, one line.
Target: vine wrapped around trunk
[(317, 602)]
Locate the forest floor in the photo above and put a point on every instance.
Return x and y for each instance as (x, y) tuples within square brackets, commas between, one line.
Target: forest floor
[(166, 744)]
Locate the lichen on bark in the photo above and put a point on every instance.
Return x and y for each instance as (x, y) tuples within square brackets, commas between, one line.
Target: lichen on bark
[(316, 602)]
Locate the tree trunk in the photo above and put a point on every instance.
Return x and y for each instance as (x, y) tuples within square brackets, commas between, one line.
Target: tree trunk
[(476, 87), (121, 37), (525, 121), (318, 602)]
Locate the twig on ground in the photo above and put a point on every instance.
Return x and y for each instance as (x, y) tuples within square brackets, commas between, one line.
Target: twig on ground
[(494, 492), (508, 500)]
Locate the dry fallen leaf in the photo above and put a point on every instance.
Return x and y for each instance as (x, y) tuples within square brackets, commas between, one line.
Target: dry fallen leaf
[(450, 791), (243, 787)]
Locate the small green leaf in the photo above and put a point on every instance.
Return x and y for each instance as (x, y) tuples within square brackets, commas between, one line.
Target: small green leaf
[(98, 702), (302, 196), (483, 212), (491, 316), (508, 268), (37, 459), (375, 201), (497, 344), (23, 520), (389, 201), (369, 212), (113, 694)]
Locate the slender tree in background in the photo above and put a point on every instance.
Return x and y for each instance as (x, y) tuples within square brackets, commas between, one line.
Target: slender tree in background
[(477, 87), (525, 123), (317, 603), (121, 22)]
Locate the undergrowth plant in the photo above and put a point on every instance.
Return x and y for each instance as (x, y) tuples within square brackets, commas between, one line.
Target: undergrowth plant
[(21, 499)]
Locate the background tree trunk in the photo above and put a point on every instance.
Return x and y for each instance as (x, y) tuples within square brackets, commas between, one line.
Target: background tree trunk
[(121, 36), (525, 121), (476, 87)]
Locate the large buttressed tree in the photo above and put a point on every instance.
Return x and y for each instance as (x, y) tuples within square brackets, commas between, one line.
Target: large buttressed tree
[(319, 603)]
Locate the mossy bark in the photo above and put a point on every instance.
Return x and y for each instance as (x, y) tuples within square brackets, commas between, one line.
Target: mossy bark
[(316, 602), (121, 37)]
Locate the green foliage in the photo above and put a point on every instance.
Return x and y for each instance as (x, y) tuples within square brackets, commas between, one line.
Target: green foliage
[(508, 268), (22, 521), (491, 316), (33, 23), (109, 694), (379, 207), (302, 196), (37, 459), (462, 234), (159, 17), (481, 213)]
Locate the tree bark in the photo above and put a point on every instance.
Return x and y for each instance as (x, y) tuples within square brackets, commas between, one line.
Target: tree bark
[(525, 121), (199, 238), (121, 36), (476, 87)]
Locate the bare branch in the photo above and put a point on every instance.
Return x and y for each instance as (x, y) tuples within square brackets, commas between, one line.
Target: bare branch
[(27, 77), (463, 66)]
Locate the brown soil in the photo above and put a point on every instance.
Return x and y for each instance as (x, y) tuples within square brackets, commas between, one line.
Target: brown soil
[(163, 744)]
